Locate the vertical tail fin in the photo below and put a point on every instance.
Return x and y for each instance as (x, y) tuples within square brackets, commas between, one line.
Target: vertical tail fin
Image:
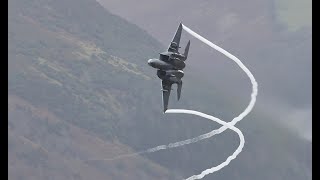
[(186, 50), (179, 89), (176, 40)]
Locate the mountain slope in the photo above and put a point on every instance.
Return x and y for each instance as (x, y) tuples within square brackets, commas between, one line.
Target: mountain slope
[(42, 146), (57, 117), (80, 88)]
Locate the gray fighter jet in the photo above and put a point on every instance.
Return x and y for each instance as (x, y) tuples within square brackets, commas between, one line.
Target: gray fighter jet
[(170, 67)]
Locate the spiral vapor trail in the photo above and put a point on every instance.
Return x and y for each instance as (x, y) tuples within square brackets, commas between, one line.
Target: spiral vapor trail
[(225, 125), (229, 125)]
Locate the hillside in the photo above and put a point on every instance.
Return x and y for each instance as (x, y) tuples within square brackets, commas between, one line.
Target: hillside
[(57, 118), (80, 88), (42, 146)]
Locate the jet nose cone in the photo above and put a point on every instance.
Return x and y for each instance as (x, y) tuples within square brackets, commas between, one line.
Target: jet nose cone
[(150, 62)]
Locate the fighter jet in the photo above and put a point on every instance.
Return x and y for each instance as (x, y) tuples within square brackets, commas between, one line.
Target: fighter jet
[(170, 67)]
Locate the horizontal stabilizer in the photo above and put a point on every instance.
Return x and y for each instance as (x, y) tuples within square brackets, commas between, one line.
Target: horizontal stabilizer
[(166, 88), (179, 90)]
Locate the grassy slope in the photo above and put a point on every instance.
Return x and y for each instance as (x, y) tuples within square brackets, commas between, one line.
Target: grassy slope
[(43, 146), (77, 65), (63, 97)]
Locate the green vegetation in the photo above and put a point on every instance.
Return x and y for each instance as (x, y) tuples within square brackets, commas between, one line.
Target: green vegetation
[(88, 68)]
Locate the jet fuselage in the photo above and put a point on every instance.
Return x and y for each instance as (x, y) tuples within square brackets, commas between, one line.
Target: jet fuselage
[(159, 64), (173, 76), (170, 67), (166, 71), (175, 59), (166, 62)]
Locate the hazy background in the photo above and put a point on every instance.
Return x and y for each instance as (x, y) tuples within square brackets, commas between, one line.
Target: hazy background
[(80, 89), (272, 38)]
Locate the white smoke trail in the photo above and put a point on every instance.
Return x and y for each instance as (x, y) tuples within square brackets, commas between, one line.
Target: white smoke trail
[(228, 125), (225, 126)]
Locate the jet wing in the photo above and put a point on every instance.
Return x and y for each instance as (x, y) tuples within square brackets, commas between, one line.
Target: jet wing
[(174, 45), (166, 88)]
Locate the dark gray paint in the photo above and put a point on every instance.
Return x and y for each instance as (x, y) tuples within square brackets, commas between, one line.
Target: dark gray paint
[(170, 67)]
